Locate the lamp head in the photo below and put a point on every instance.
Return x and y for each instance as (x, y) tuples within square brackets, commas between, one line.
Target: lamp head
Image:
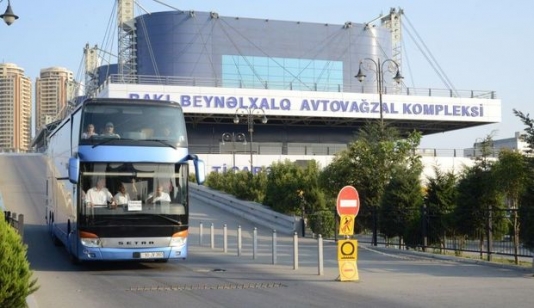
[(398, 77), (361, 76), (264, 120), (226, 137), (236, 119), (240, 137), (9, 17)]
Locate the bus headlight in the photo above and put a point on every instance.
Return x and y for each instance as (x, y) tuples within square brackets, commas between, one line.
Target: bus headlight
[(90, 242), (179, 239), (89, 239)]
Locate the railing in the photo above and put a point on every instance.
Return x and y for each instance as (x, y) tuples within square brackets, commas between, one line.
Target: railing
[(16, 221), (459, 246), (313, 149), (355, 87), (247, 210), (289, 225)]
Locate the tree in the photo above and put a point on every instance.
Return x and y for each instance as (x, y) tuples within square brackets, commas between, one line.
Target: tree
[(368, 164), (480, 204), (511, 173), (215, 180), (243, 185), (400, 205), (526, 211), (16, 281), (529, 123), (336, 175), (286, 180), (247, 186), (283, 182), (440, 202)]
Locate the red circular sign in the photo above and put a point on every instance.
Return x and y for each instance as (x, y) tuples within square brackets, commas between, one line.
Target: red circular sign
[(348, 201)]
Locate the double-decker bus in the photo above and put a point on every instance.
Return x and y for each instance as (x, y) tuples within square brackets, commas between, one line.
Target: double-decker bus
[(138, 148)]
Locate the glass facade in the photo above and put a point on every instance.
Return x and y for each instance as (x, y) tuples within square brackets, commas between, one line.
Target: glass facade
[(281, 73)]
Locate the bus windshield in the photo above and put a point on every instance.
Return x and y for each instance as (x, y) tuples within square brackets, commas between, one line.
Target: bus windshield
[(118, 123), (118, 193)]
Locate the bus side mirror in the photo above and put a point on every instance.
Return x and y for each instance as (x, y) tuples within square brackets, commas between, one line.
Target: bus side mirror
[(200, 171), (74, 170)]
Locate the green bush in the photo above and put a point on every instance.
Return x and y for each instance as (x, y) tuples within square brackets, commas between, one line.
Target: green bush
[(15, 274), (322, 222)]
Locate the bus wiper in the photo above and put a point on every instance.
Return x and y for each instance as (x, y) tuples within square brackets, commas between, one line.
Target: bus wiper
[(144, 216), (169, 219), (165, 142)]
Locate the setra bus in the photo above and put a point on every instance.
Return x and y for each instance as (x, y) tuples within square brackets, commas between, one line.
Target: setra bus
[(120, 192)]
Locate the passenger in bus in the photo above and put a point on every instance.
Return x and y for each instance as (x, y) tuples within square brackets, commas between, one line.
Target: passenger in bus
[(109, 131), (165, 132), (89, 132), (122, 197), (99, 195), (159, 196), (135, 193)]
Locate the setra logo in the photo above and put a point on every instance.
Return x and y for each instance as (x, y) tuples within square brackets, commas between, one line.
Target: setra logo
[(135, 243)]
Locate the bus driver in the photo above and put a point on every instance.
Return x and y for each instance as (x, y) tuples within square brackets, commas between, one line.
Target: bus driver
[(158, 196), (99, 196), (122, 197)]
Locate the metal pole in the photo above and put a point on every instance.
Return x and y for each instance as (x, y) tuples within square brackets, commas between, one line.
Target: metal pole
[(212, 236), (375, 227), (379, 88), (489, 233), (274, 247), (295, 251), (238, 241), (424, 226), (335, 225), (249, 112), (233, 152), (303, 226), (200, 234), (254, 243), (251, 132), (225, 239), (320, 254)]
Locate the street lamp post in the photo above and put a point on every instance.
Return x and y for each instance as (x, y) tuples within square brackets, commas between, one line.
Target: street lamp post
[(9, 17), (250, 113), (378, 68), (233, 137)]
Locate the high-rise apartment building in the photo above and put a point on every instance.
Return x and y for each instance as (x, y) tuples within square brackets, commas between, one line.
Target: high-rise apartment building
[(15, 108), (53, 89)]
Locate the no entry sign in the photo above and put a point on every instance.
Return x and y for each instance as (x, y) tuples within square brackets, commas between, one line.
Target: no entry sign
[(348, 201)]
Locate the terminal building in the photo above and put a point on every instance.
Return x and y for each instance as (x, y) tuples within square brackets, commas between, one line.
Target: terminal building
[(258, 90)]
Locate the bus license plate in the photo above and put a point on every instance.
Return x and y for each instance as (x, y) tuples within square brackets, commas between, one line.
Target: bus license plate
[(151, 255)]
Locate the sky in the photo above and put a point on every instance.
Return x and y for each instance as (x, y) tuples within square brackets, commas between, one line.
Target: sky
[(483, 45)]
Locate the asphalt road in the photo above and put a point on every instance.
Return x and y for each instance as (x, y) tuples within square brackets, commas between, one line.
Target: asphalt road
[(212, 278)]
